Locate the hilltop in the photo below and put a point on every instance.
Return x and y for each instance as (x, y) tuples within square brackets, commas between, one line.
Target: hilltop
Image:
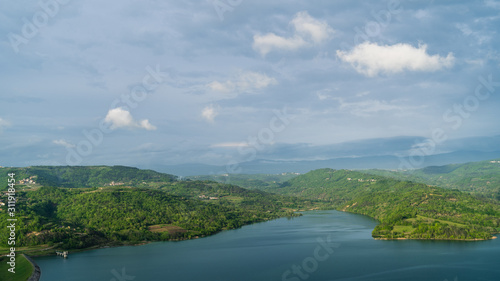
[(84, 176), (266, 182)]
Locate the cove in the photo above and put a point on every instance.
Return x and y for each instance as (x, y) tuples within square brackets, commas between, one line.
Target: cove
[(285, 249)]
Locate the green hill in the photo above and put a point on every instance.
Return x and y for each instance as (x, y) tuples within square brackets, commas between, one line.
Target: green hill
[(85, 176), (266, 182), (405, 209), (478, 178)]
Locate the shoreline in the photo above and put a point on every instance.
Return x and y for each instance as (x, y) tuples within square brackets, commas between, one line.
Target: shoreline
[(439, 239), (104, 246), (97, 247), (37, 272), (405, 238), (45, 253), (298, 213)]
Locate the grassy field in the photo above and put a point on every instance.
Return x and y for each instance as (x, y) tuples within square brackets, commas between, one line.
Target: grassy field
[(30, 250), (429, 220), (406, 229), (23, 269)]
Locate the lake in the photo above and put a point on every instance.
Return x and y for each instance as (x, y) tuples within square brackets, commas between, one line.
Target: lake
[(321, 245)]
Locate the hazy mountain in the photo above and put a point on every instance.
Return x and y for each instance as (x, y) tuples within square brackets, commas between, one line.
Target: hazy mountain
[(263, 166)]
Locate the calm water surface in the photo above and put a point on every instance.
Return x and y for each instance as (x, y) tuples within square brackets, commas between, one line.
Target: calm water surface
[(321, 245)]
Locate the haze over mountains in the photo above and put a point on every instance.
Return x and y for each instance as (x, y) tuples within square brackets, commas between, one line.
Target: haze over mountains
[(382, 153)]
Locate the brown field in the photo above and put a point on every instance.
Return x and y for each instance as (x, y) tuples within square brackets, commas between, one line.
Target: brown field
[(171, 229)]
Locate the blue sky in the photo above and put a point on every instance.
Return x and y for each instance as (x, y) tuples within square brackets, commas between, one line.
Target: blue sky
[(169, 82)]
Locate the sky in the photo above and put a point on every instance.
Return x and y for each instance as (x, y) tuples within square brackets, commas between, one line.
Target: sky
[(223, 81)]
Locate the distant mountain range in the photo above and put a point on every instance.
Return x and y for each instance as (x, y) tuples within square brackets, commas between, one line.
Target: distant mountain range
[(263, 166)]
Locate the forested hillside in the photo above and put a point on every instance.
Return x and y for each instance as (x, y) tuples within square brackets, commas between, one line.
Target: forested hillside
[(478, 178), (84, 176), (80, 218), (128, 205), (264, 182), (405, 209)]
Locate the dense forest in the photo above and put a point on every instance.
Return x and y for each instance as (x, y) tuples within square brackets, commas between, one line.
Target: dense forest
[(83, 218)]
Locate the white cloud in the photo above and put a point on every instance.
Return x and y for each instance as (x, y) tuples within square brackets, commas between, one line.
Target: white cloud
[(322, 96), (307, 31), (476, 62), (309, 28), (244, 82), (230, 144), (3, 124), (326, 94), (371, 59), (266, 43), (464, 28), (146, 125), (209, 113), (422, 14), (362, 94), (64, 143), (367, 108), (121, 118), (479, 37), (492, 4)]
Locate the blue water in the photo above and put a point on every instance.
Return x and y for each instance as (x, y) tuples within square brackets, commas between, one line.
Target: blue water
[(285, 249)]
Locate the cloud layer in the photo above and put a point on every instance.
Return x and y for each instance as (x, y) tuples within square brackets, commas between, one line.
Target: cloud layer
[(209, 86)]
